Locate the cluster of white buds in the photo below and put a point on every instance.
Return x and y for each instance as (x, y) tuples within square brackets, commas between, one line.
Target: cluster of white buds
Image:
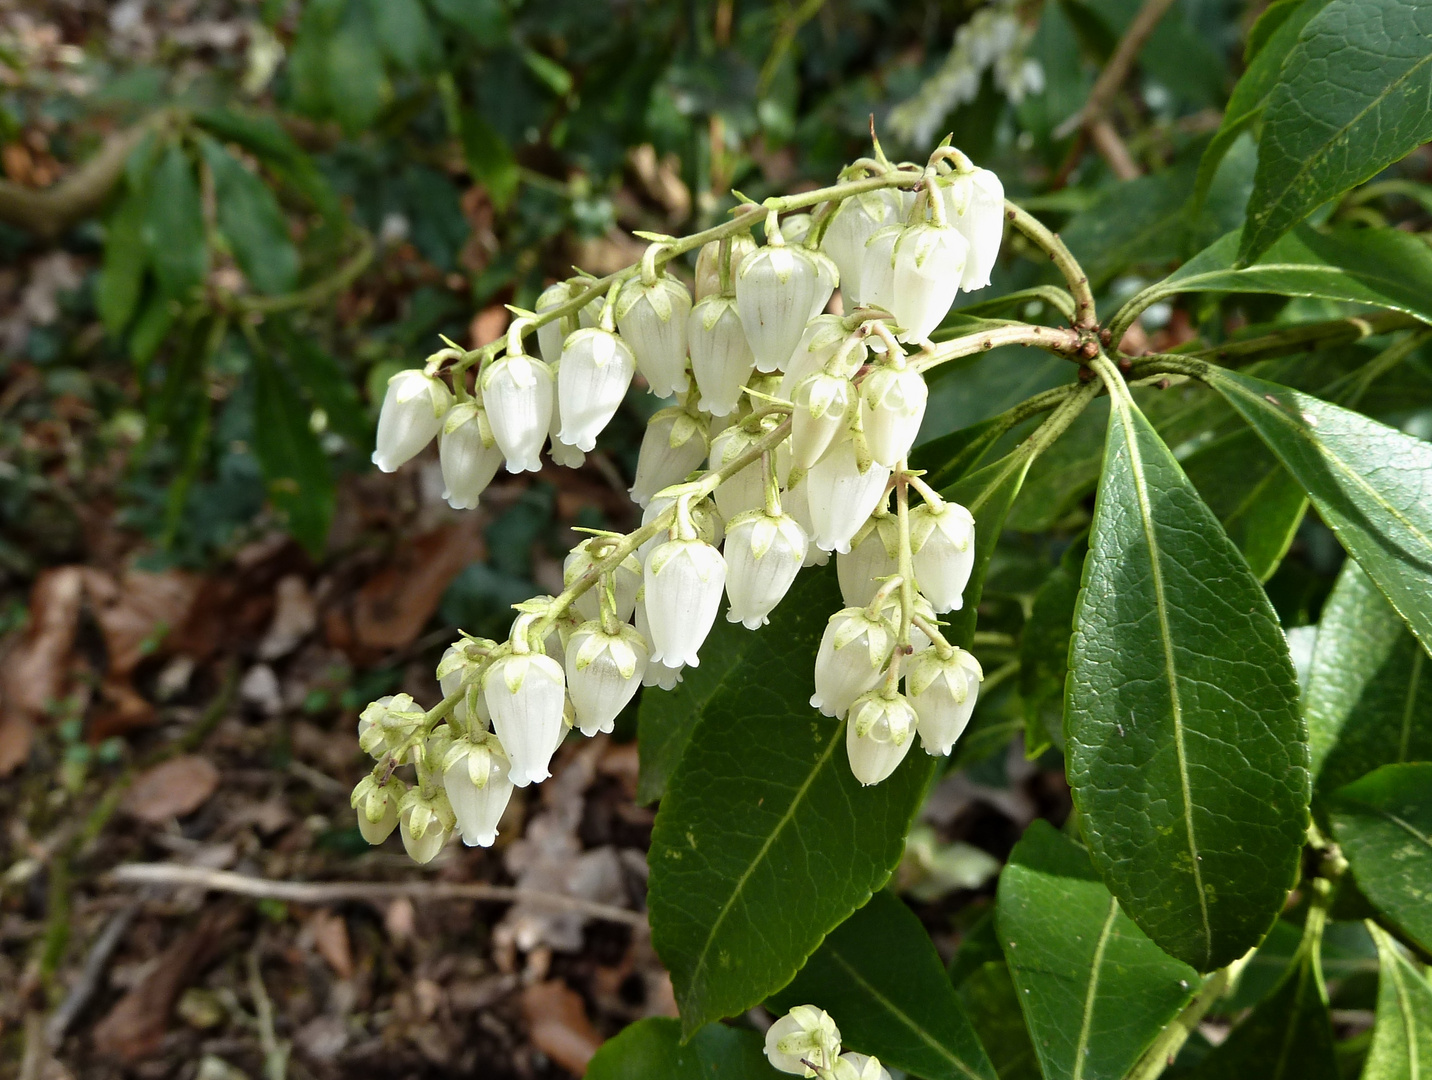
[(802, 422), (806, 1042)]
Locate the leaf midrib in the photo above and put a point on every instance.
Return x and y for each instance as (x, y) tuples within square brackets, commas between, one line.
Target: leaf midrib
[(1413, 684), (1087, 1022)]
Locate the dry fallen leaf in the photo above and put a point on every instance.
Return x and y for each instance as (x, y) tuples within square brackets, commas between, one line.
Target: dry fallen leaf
[(295, 617), (330, 938), (558, 1024), (136, 613), (33, 673), (488, 325), (395, 604), (173, 789)]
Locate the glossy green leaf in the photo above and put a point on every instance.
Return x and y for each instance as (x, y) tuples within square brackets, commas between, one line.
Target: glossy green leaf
[(1384, 823), (765, 842), (296, 470), (489, 158), (1352, 97), (992, 1004), (1402, 1036), (1370, 483), (1187, 755), (652, 1049), (404, 32), (1095, 990), (252, 222), (1369, 695), (265, 138), (174, 226), (1044, 651), (121, 278), (879, 976), (353, 67), (324, 378), (151, 326)]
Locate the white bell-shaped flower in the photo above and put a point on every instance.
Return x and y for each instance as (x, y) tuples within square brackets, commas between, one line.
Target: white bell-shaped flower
[(721, 358), (468, 455), (461, 666), (820, 341), (840, 496), (929, 265), (674, 445), (517, 392), (477, 786), (709, 526), (603, 673), (387, 723), (764, 553), (563, 454), (652, 320), (877, 268), (708, 266), (853, 1066), (850, 660), (805, 1034), (683, 582), (550, 335), (626, 580), (795, 228), (854, 222), (377, 807), (793, 501), (919, 640), (942, 539), (592, 380), (776, 289), (878, 734), (745, 490), (525, 693), (657, 674), (411, 417), (425, 821), (943, 690), (892, 405), (827, 276), (873, 556), (822, 406), (974, 204)]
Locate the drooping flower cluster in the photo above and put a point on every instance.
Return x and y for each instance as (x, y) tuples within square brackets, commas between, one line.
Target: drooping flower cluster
[(806, 1042), (788, 441)]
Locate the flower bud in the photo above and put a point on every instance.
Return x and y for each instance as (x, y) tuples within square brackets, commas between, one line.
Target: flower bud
[(468, 455), (919, 640), (683, 581), (850, 659), (592, 380), (652, 319), (943, 690), (853, 1066), (795, 228), (563, 454), (892, 405), (746, 489), (656, 673), (477, 786), (929, 262), (806, 1033), (377, 806), (709, 526), (878, 735), (821, 405), (776, 290), (388, 722), (411, 417), (793, 501), (525, 693), (708, 268), (943, 542), (627, 581), (877, 268), (840, 497), (603, 673), (974, 204), (820, 341), (873, 556), (764, 553), (517, 393), (550, 335), (721, 359), (425, 821), (854, 222), (462, 665), (827, 276), (674, 445)]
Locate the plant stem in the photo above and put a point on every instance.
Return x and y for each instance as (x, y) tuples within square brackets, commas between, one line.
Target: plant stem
[(1054, 339), (317, 293), (1160, 1055), (1060, 256), (1117, 69)]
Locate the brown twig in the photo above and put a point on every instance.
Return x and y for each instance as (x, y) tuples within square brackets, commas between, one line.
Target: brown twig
[(88, 982), (331, 892), (1118, 67), (1112, 149)]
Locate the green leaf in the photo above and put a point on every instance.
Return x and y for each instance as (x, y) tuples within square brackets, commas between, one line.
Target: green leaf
[(299, 479), (1369, 692), (652, 1049), (356, 85), (1044, 651), (151, 326), (1384, 823), (1402, 1035), (121, 278), (489, 158), (253, 223), (1289, 1036), (265, 138), (1351, 99), (1187, 755), (1095, 990), (404, 32), (1382, 515), (879, 976), (332, 388), (174, 226), (765, 842), (992, 1004)]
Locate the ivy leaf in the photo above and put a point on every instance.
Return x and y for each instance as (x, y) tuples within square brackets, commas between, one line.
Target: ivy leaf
[(1369, 689), (1384, 823), (1187, 755), (299, 479), (1402, 1035), (1095, 990), (879, 976), (174, 226), (1352, 98), (1381, 514), (765, 841), (252, 222), (652, 1049)]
